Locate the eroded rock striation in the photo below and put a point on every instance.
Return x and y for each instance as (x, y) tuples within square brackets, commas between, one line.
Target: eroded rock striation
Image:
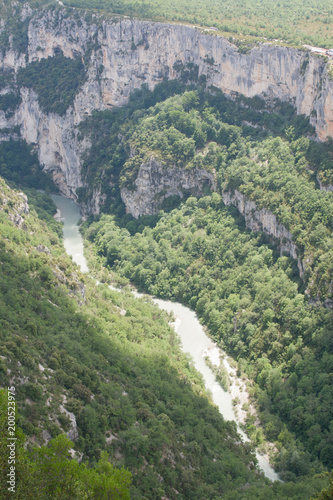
[(155, 182), (124, 54), (264, 220)]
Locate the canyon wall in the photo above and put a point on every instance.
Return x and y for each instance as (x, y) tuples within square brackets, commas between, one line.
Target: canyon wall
[(124, 54), (155, 182), (264, 220)]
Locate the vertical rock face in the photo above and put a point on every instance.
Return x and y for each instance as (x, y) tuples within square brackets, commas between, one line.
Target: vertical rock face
[(124, 54), (329, 187), (263, 220), (55, 138), (155, 182)]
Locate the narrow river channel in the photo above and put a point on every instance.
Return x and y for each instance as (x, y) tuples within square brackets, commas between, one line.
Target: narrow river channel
[(193, 338)]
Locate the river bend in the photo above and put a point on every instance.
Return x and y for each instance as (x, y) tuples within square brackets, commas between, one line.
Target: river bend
[(193, 338)]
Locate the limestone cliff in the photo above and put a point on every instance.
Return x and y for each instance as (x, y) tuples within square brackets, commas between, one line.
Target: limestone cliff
[(263, 220), (123, 54), (155, 182), (329, 187)]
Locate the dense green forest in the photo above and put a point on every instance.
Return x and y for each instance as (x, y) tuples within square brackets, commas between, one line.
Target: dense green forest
[(103, 360), (273, 164), (19, 164), (48, 472), (252, 300), (37, 280), (103, 373)]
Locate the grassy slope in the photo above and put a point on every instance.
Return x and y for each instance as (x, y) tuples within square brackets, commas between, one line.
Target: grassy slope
[(202, 263)]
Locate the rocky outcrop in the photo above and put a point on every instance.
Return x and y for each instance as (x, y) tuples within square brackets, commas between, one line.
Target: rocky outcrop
[(155, 182), (263, 220), (15, 204), (20, 212), (72, 434), (124, 54), (56, 140), (323, 187)]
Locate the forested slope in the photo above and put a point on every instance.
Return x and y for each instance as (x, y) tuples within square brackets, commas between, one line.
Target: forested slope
[(273, 162), (248, 298), (253, 300), (92, 363)]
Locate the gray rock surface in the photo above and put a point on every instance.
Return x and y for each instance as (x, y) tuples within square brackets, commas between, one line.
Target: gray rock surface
[(156, 182), (263, 220), (124, 54)]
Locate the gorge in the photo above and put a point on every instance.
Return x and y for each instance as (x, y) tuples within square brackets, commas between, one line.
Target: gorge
[(194, 341), (202, 165), (121, 55)]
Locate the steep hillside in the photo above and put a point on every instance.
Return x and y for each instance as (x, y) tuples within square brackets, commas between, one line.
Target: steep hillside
[(92, 363), (155, 158), (204, 176), (248, 298), (105, 59), (199, 256)]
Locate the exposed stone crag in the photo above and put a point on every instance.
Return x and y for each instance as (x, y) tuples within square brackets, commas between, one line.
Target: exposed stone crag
[(124, 54), (156, 182), (16, 206), (263, 220), (322, 187)]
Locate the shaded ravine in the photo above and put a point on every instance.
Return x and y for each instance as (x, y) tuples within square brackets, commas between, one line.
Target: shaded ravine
[(193, 338)]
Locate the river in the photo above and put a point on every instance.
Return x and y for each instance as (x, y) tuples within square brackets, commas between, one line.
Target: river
[(193, 338)]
